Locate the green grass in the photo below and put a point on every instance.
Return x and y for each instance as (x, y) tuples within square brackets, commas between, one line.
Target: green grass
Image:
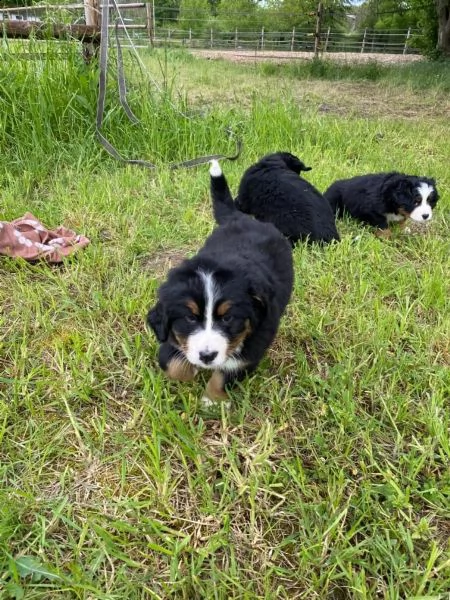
[(419, 76), (329, 478)]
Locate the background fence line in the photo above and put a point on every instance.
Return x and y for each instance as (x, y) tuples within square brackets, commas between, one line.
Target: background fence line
[(140, 21)]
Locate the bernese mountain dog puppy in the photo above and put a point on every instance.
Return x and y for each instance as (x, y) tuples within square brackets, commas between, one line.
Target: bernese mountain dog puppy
[(273, 192), (384, 198), (220, 310)]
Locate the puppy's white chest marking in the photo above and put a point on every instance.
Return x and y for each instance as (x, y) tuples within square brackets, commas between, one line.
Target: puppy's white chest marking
[(392, 217), (232, 364)]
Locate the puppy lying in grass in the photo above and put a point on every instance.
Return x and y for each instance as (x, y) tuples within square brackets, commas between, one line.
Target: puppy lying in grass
[(220, 310), (273, 192), (384, 198)]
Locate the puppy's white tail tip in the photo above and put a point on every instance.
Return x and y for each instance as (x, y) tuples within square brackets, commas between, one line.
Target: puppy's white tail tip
[(214, 169)]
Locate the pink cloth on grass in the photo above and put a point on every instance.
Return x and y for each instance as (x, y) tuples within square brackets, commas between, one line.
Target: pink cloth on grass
[(27, 238)]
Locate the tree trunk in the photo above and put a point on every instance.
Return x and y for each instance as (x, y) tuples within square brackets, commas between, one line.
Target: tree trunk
[(443, 13)]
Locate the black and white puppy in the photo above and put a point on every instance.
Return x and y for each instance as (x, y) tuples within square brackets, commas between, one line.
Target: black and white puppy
[(220, 310), (384, 198), (273, 192)]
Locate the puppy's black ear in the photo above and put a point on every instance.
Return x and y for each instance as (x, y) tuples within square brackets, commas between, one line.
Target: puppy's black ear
[(259, 307), (294, 163), (398, 188), (158, 322), (260, 293)]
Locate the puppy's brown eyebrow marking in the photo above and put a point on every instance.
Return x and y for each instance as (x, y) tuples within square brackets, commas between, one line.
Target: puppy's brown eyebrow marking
[(223, 308), (193, 307)]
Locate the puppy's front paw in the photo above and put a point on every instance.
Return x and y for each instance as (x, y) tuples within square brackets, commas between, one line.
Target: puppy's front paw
[(180, 370), (384, 234), (215, 393), (208, 403)]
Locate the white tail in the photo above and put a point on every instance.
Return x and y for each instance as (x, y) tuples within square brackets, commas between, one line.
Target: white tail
[(214, 169)]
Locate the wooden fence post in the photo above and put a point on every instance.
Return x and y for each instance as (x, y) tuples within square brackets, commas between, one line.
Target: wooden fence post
[(408, 35), (326, 40), (236, 38), (211, 39), (262, 38), (293, 39), (92, 18), (363, 41), (318, 26), (149, 20)]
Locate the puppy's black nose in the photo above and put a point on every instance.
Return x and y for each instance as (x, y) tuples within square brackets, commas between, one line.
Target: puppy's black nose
[(425, 217), (207, 357)]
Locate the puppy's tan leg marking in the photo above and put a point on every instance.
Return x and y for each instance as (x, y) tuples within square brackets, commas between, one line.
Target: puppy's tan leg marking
[(384, 234), (180, 370), (215, 390)]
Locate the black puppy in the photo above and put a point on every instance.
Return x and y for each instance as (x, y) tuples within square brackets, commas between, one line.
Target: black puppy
[(383, 198), (273, 192), (220, 310)]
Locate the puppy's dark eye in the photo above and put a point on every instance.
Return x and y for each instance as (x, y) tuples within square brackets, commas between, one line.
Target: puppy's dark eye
[(417, 199), (191, 318), (227, 318)]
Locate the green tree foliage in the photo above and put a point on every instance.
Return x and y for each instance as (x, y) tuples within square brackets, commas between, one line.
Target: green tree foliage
[(302, 13), (194, 15), (166, 11), (246, 15), (430, 17), (388, 14)]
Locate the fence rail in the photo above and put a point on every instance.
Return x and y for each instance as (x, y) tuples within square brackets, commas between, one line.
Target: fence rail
[(139, 18), (296, 40)]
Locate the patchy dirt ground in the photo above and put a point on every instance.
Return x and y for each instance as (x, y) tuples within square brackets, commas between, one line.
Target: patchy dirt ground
[(246, 56)]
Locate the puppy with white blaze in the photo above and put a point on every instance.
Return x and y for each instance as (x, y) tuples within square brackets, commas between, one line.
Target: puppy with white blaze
[(220, 310), (384, 198)]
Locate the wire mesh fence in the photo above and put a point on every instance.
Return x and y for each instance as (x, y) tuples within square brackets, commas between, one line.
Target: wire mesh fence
[(143, 26)]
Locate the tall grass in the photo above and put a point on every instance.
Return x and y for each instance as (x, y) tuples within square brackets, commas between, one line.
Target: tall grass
[(48, 107), (329, 477), (418, 76)]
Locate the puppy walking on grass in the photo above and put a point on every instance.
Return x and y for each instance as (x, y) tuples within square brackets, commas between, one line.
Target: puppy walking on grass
[(220, 310)]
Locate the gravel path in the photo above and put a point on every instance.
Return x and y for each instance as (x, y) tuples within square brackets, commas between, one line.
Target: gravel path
[(274, 56)]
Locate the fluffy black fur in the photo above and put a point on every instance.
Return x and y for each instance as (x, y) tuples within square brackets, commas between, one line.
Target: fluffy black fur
[(273, 192), (251, 267), (381, 198)]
